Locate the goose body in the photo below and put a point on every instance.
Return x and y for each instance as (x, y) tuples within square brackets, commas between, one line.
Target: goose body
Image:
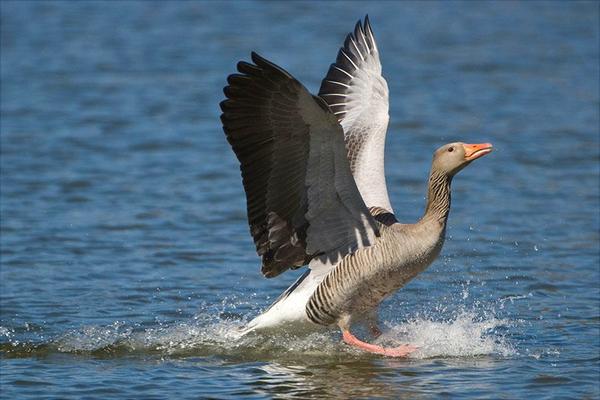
[(348, 291), (313, 172)]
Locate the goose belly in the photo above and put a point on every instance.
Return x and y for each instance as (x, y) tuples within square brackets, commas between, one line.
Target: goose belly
[(361, 281), (372, 290)]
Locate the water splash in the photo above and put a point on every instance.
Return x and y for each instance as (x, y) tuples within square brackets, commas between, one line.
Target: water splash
[(464, 335)]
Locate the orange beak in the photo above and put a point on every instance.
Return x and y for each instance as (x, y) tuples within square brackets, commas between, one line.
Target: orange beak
[(474, 151)]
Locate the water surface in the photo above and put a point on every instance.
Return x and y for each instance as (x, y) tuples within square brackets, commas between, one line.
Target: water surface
[(126, 263)]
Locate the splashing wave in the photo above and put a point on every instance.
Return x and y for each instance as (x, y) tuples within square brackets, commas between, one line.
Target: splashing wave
[(463, 335)]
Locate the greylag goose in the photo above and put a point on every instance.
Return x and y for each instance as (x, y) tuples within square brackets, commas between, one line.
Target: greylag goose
[(313, 172)]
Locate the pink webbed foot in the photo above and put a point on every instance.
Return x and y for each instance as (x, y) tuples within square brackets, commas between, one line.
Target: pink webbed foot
[(401, 351)]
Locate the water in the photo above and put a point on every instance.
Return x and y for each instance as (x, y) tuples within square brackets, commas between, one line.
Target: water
[(126, 263)]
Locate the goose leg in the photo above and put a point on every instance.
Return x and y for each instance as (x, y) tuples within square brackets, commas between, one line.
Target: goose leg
[(372, 322), (400, 351), (375, 331)]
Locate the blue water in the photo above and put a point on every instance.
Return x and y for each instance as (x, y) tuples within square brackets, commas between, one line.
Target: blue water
[(126, 263)]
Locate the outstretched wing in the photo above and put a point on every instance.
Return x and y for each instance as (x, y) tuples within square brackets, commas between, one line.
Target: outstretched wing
[(301, 197), (357, 94)]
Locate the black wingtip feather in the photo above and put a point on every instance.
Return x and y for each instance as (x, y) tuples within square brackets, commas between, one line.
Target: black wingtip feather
[(247, 68), (257, 113), (369, 30), (268, 65), (258, 60), (358, 46), (357, 28), (236, 79), (223, 105)]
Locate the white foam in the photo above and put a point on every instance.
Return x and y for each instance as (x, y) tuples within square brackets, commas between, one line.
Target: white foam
[(6, 331), (464, 335), (91, 338)]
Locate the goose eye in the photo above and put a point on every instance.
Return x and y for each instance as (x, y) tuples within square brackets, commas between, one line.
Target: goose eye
[(451, 149)]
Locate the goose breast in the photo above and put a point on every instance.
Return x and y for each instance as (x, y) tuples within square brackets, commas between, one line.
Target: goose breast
[(363, 279)]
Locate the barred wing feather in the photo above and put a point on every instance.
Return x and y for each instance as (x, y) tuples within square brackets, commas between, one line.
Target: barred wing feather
[(357, 94)]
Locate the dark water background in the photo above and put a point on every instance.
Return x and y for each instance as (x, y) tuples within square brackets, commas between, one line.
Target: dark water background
[(126, 262)]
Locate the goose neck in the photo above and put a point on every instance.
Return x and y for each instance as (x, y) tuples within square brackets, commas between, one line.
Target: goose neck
[(438, 197)]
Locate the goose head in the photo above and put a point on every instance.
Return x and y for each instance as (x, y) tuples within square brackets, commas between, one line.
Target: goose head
[(452, 157)]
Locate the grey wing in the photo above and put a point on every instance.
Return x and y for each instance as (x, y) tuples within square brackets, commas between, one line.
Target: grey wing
[(302, 200), (357, 94)]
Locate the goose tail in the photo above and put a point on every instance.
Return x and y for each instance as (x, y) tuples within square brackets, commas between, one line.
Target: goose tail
[(288, 310)]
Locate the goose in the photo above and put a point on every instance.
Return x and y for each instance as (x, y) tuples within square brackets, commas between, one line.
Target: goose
[(313, 172)]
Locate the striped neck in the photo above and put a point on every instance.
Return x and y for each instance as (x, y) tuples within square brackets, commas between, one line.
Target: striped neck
[(438, 197)]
